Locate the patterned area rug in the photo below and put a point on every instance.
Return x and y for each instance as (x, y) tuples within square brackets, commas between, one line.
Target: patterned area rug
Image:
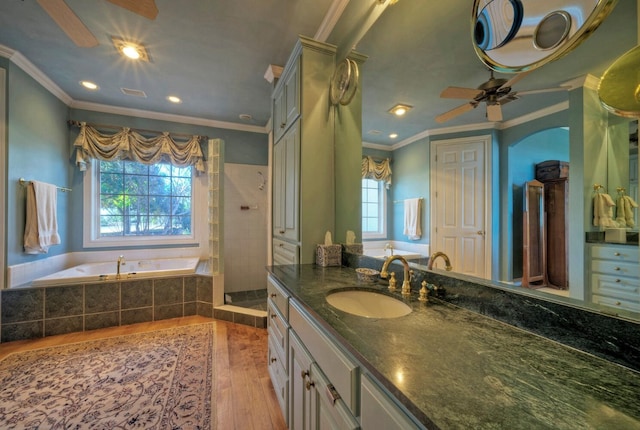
[(156, 380)]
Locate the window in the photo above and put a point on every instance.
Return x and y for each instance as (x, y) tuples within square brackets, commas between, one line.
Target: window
[(134, 204), (374, 208)]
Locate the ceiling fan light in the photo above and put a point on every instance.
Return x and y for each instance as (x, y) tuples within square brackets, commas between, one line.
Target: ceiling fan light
[(131, 52), (400, 109)]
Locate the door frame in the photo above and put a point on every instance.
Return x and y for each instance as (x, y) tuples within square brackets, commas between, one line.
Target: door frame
[(486, 141)]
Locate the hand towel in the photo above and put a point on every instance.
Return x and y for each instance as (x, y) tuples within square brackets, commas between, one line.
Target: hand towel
[(603, 210), (624, 215), (412, 219), (41, 224)]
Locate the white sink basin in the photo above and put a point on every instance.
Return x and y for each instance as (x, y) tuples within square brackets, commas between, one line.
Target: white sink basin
[(368, 304)]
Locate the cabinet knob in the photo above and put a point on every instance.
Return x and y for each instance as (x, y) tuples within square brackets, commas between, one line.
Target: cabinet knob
[(304, 374), (617, 254), (309, 384), (618, 281), (618, 303), (281, 232), (283, 124), (273, 359), (273, 316), (273, 295), (617, 269)]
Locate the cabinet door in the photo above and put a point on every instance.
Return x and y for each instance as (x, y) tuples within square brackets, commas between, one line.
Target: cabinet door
[(300, 385), (292, 97), (279, 112), (379, 411), (286, 174), (328, 410)]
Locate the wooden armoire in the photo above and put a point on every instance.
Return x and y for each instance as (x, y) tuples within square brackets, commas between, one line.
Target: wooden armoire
[(554, 175)]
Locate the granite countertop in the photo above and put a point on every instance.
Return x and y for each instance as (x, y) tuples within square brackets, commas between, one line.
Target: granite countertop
[(456, 369)]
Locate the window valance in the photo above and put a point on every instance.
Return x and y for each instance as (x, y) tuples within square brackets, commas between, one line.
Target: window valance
[(127, 144), (380, 171)]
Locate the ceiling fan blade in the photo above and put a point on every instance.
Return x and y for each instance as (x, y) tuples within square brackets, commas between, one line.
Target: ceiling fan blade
[(460, 93), (145, 8), (494, 112), (511, 82), (455, 112), (69, 22)]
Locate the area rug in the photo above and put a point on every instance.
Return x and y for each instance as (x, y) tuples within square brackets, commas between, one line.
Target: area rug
[(157, 380)]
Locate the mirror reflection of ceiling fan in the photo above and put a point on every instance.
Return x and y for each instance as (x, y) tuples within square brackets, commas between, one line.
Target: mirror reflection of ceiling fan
[(69, 22), (494, 93)]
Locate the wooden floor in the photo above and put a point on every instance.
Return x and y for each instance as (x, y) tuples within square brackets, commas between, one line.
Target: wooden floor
[(245, 398)]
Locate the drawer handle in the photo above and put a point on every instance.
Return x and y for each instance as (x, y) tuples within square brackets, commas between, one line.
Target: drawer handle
[(618, 281), (273, 295), (310, 384)]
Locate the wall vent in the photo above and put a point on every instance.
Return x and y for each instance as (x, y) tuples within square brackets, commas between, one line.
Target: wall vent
[(136, 93)]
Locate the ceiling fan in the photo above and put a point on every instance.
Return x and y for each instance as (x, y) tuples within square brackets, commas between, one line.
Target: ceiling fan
[(494, 93), (69, 22)]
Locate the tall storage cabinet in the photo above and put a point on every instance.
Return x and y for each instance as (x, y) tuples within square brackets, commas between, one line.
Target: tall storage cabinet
[(303, 155)]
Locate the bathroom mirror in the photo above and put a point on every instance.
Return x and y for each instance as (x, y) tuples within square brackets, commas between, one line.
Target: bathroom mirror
[(577, 64)]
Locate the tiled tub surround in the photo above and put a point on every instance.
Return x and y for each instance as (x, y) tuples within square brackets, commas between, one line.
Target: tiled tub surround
[(33, 312), (456, 369)]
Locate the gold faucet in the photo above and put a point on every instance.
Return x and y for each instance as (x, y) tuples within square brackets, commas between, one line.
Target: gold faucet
[(444, 256), (120, 263), (406, 283)]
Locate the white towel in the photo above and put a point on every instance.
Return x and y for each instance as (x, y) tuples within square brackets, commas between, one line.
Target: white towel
[(625, 208), (412, 219), (41, 225), (603, 210)]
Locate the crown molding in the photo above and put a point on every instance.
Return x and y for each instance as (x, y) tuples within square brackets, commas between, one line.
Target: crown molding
[(534, 115), (330, 20), (139, 113), (377, 146), (29, 68)]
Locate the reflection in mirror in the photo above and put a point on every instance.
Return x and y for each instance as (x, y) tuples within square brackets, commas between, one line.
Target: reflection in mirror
[(579, 131), (534, 267)]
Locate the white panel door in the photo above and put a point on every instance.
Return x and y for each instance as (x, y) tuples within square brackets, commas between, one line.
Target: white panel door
[(459, 198)]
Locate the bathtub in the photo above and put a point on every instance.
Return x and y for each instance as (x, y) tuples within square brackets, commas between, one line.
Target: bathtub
[(97, 272)]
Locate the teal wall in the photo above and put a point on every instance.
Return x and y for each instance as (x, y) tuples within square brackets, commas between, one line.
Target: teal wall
[(40, 147), (37, 149)]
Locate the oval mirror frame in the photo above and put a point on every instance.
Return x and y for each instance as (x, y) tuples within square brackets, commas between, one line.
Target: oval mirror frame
[(521, 52), (618, 89)]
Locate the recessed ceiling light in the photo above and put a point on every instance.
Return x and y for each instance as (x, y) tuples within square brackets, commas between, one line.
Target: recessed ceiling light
[(174, 99), (374, 132), (245, 117), (89, 85), (132, 50), (400, 109), (393, 135)]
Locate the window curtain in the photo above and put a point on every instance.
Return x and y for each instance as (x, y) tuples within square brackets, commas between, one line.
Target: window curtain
[(127, 144), (379, 171)]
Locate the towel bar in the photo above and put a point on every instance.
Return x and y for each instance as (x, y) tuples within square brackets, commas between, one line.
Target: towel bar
[(24, 183)]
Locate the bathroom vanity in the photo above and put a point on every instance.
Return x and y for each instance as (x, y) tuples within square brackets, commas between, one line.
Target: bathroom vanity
[(440, 366)]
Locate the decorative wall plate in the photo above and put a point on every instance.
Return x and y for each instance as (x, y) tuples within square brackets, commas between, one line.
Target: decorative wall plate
[(340, 81)]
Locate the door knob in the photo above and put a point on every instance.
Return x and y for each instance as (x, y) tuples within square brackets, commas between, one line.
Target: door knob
[(480, 232)]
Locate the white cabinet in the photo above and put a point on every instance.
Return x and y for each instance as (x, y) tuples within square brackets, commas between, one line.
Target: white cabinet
[(379, 410), (278, 344), (615, 277), (286, 185), (299, 385), (303, 152)]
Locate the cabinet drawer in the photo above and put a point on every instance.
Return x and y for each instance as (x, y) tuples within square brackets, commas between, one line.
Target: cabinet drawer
[(624, 288), (616, 303), (284, 253), (615, 268), (379, 410), (278, 296), (279, 379), (278, 333), (340, 369), (331, 411), (627, 254)]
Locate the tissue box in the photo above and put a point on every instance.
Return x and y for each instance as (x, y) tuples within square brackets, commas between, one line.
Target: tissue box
[(329, 255), (353, 248), (617, 235)]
